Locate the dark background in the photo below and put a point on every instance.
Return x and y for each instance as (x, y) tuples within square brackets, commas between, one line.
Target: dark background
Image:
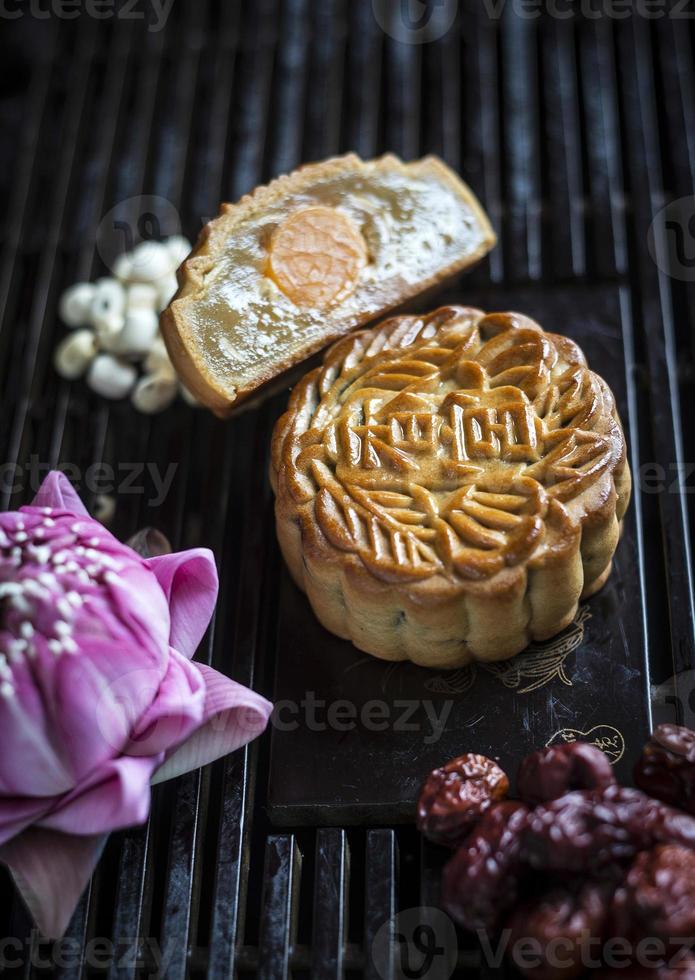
[(573, 130)]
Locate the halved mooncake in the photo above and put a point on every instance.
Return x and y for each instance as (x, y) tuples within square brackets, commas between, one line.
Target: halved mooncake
[(448, 487), (305, 260)]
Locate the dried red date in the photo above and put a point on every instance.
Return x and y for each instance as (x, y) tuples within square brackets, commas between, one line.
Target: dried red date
[(565, 924), (588, 829), (657, 897), (585, 828), (455, 796), (559, 769), (666, 768), (481, 881)]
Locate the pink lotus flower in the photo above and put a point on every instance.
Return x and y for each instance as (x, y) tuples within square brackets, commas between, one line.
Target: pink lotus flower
[(98, 694)]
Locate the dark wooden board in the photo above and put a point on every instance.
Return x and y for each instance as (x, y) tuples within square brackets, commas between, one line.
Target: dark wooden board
[(353, 736)]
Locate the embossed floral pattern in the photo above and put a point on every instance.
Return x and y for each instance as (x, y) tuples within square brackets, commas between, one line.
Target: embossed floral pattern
[(454, 448), (449, 487)]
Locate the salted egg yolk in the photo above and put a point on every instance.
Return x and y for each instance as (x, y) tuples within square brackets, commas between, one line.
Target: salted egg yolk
[(316, 255)]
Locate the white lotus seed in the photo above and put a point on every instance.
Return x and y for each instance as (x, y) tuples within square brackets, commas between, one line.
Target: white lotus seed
[(75, 304), (150, 261), (107, 339), (189, 397), (75, 353), (108, 328), (166, 288), (141, 296), (104, 510), (138, 334), (107, 311), (109, 297), (179, 248), (110, 377), (123, 267), (154, 393), (157, 361)]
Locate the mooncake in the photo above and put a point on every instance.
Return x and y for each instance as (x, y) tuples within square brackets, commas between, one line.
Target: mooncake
[(448, 487), (308, 258)]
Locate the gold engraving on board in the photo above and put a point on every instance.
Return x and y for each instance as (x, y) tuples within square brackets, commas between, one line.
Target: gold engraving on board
[(539, 664), (453, 681), (605, 737)]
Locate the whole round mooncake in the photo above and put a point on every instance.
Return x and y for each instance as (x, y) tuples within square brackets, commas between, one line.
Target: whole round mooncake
[(449, 487)]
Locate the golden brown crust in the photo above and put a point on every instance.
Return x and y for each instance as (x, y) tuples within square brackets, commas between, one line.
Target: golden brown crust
[(448, 487), (221, 385)]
